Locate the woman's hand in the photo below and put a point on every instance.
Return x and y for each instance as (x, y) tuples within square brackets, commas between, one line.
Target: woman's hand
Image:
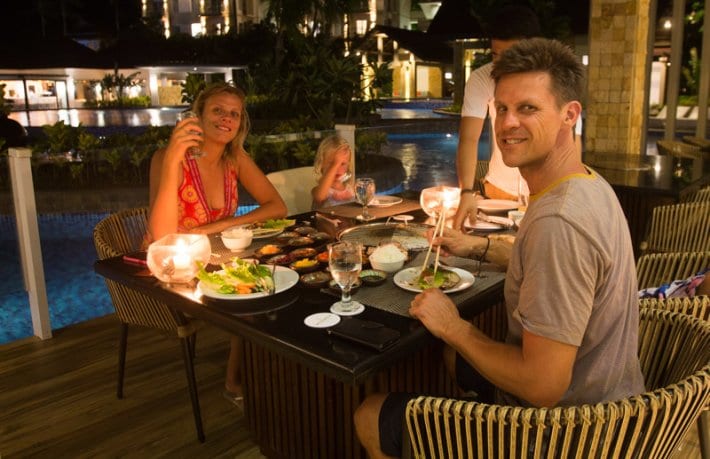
[(187, 133)]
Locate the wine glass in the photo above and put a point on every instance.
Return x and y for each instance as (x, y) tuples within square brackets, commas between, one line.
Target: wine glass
[(193, 152), (345, 264), (437, 199), (364, 192)]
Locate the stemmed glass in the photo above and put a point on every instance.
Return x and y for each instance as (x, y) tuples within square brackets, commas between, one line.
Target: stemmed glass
[(364, 192), (345, 264), (193, 152)]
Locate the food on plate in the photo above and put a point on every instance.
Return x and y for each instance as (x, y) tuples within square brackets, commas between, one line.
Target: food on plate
[(320, 236), (269, 249), (300, 241), (323, 257), (443, 279), (277, 223), (237, 277), (279, 260), (286, 236), (304, 264), (372, 276), (388, 257), (316, 279), (306, 252), (305, 230)]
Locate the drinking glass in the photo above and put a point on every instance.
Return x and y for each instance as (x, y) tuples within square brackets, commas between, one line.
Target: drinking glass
[(345, 264), (193, 152), (364, 192)]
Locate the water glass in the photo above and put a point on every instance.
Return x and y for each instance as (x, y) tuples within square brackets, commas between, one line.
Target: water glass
[(364, 192), (345, 264), (193, 152)]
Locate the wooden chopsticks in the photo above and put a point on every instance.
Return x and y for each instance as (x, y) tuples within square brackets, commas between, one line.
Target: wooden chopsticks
[(438, 230)]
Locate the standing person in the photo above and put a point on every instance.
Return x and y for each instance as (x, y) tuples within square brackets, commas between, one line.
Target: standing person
[(199, 195), (334, 173), (570, 287), (510, 25)]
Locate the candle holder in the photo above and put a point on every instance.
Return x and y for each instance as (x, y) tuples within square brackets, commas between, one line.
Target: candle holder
[(173, 258), (440, 198)]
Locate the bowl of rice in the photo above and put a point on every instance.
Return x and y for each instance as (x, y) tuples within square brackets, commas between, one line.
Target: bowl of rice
[(388, 258), (237, 238)]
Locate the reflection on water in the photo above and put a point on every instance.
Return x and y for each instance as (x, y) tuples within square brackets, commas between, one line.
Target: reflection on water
[(429, 159)]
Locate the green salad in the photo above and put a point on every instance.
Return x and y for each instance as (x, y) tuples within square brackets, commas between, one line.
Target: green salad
[(237, 277), (278, 223)]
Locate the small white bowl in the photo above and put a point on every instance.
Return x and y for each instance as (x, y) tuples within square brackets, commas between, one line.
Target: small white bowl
[(387, 266), (237, 238), (388, 258)]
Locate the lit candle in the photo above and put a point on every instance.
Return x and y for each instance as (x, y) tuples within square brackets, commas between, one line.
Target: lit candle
[(181, 260)]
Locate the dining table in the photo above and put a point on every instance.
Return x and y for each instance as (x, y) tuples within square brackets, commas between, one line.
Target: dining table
[(302, 383), (642, 182)]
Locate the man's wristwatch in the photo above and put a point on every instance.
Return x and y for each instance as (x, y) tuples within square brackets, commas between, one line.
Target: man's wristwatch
[(469, 190)]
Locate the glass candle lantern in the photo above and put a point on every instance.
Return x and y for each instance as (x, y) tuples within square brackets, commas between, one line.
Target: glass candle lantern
[(174, 257), (440, 198)]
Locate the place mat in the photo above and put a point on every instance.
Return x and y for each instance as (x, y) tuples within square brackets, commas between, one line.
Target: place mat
[(391, 298), (353, 209)]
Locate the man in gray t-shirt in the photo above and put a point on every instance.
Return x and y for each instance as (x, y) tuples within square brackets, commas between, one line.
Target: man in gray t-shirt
[(570, 288)]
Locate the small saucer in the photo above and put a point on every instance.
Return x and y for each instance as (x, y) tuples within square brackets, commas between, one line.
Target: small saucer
[(321, 320)]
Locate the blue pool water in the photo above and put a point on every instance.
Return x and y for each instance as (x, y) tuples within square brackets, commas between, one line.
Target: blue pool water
[(75, 293)]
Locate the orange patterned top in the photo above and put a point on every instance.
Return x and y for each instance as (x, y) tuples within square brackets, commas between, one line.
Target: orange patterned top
[(193, 209)]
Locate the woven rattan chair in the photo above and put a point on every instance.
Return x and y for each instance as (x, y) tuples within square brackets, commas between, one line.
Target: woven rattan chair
[(674, 353), (481, 171), (122, 233), (679, 228), (655, 269), (699, 307), (702, 195)]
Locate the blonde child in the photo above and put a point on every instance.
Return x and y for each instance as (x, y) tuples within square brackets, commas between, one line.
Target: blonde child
[(333, 171)]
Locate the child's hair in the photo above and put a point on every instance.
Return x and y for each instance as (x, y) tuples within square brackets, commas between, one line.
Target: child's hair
[(328, 146)]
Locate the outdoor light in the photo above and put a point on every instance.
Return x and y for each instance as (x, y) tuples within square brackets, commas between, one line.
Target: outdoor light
[(175, 257)]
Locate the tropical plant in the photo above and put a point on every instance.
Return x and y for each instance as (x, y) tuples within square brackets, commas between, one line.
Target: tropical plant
[(194, 83)]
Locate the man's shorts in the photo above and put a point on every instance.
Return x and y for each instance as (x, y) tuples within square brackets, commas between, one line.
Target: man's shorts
[(391, 417)]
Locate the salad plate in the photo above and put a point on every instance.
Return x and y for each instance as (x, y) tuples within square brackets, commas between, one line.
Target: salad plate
[(407, 279), (284, 279), (263, 233)]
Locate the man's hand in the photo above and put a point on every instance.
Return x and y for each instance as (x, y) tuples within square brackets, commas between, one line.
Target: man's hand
[(436, 311), (468, 207)]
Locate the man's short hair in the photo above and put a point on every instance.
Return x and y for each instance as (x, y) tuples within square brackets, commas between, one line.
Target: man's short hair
[(544, 55), (513, 22)]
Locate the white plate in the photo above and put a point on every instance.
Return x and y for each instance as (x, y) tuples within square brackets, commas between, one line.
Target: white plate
[(404, 278), (382, 200), (284, 278), (496, 223), (263, 233), (321, 320), (497, 205)]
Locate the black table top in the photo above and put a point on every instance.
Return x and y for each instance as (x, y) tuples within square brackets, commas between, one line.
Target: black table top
[(660, 174), (276, 322)]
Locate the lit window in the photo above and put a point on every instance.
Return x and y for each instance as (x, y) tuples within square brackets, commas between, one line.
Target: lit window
[(361, 26)]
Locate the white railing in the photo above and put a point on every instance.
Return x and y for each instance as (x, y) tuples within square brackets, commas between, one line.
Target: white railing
[(28, 239)]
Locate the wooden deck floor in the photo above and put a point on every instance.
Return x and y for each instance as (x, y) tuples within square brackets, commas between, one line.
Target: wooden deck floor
[(58, 398)]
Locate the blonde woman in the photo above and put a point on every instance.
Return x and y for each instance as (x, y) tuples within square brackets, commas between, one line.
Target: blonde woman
[(200, 194)]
